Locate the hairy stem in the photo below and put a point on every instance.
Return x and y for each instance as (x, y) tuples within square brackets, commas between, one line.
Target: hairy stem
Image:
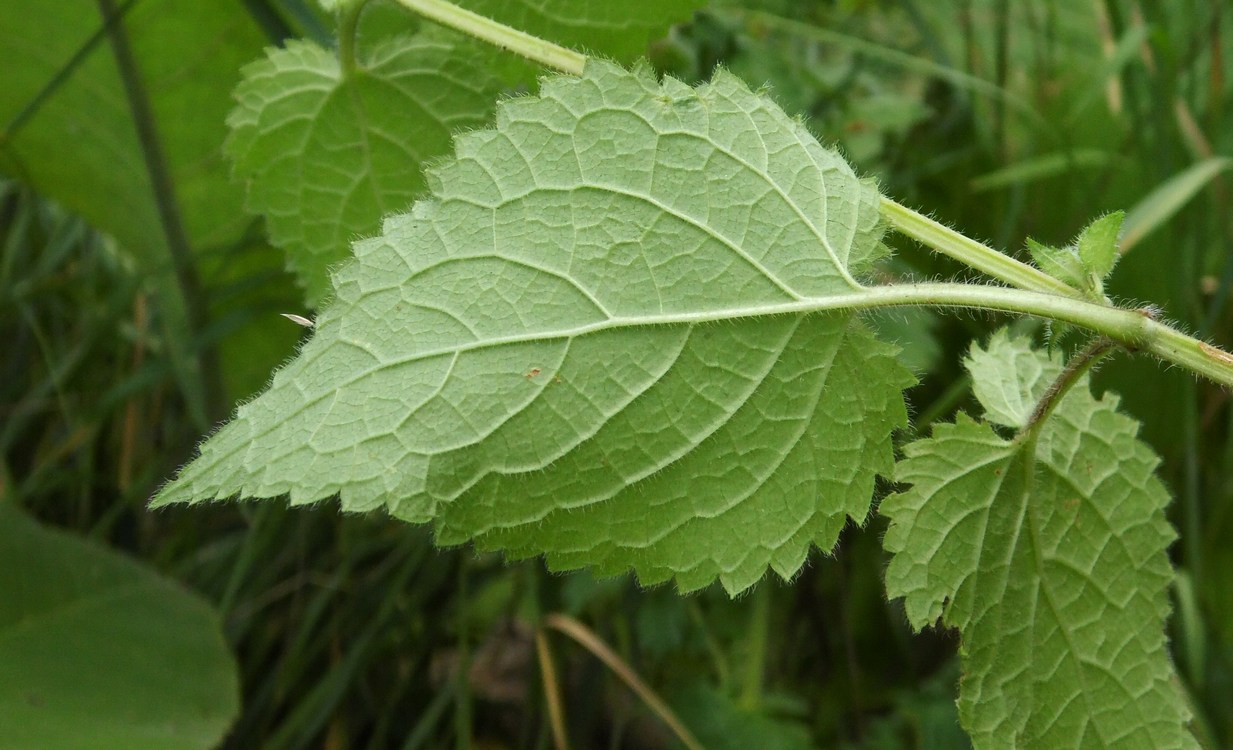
[(1163, 341), (1076, 367), (941, 238), (521, 43), (348, 25)]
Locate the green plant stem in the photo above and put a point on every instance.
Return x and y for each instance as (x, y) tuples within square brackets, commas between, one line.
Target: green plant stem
[(204, 395), (348, 24), (531, 47), (1076, 367), (943, 239), (756, 639)]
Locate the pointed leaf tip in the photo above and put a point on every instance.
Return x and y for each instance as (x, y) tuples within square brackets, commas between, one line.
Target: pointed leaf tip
[(1098, 244)]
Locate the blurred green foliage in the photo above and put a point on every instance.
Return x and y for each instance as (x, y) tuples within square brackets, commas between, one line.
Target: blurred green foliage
[(1007, 120)]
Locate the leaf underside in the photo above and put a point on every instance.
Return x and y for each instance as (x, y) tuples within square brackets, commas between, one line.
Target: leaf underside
[(1052, 565), (523, 359)]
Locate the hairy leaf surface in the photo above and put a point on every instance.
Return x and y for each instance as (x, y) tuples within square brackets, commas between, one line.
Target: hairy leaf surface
[(1051, 562), (328, 152), (578, 346)]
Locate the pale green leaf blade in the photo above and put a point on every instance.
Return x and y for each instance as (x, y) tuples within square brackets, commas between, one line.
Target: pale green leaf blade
[(1009, 378), (327, 153), (1053, 567), (100, 653), (1042, 167), (1098, 244), (531, 348)]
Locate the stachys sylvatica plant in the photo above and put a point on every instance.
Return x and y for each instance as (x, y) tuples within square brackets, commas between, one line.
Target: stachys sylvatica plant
[(622, 328)]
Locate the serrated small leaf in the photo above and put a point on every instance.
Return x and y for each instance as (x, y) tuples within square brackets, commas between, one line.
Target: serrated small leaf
[(326, 153), (529, 359), (1098, 244), (1052, 564), (1062, 263), (1008, 377)]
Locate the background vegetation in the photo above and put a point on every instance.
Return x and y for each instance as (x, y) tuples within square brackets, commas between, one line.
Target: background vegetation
[(1007, 120)]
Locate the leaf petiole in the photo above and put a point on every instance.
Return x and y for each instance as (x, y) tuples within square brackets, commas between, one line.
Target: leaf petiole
[(348, 23), (1076, 367), (942, 239), (521, 43)]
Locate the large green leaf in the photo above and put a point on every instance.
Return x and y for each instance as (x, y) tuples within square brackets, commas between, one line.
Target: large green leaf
[(1049, 556), (531, 357), (99, 653)]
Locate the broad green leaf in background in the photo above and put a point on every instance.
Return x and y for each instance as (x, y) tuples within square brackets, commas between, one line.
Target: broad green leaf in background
[(525, 358), (1049, 556), (79, 147), (327, 152), (99, 653)]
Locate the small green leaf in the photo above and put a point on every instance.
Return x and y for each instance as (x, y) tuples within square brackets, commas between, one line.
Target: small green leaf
[(1008, 378), (326, 153), (1062, 263), (531, 358), (99, 652), (1049, 556), (1098, 245)]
